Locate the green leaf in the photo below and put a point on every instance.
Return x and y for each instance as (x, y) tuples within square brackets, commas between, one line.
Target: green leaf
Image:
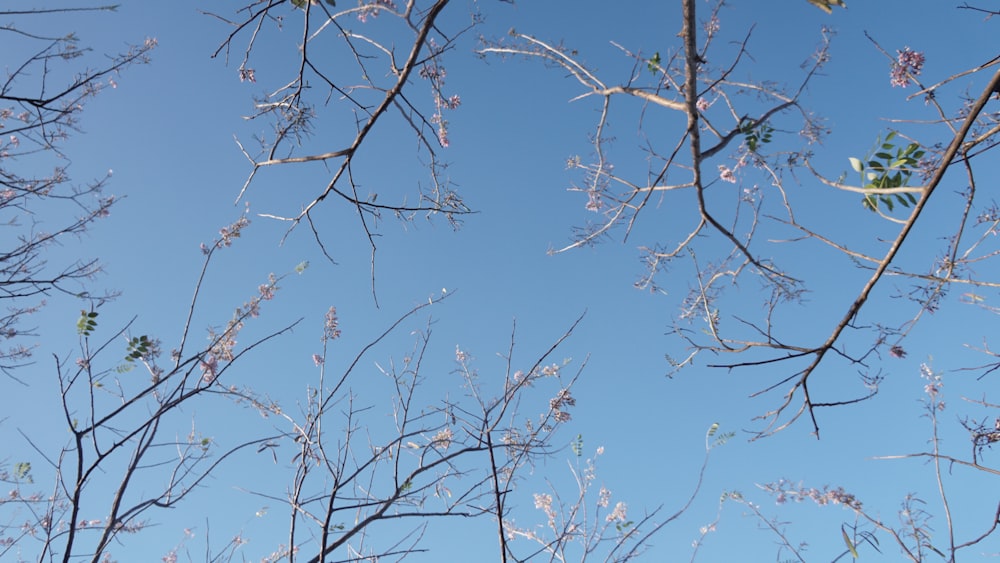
[(856, 164), (654, 63), (847, 541), (22, 471), (870, 203), (827, 5), (86, 323), (302, 266)]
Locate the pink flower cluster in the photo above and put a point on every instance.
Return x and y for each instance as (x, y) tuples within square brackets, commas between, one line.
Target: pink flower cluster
[(331, 328), (594, 202), (436, 73), (726, 175), (223, 343), (785, 491), (372, 9), (559, 403), (908, 63), (618, 514), (543, 502)]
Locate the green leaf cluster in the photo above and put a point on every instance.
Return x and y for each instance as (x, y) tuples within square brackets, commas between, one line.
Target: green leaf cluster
[(755, 134), (890, 166), (720, 438), (22, 472), (137, 348), (653, 64), (302, 3), (86, 324), (622, 527)]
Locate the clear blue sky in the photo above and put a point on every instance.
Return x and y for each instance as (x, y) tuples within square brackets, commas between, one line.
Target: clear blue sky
[(167, 132)]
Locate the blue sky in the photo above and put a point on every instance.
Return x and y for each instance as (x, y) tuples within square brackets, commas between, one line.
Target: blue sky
[(167, 131)]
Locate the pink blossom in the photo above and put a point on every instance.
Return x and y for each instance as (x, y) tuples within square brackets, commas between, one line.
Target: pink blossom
[(331, 329), (618, 514), (603, 497), (726, 175), (559, 403), (703, 104), (442, 439), (317, 359), (209, 367), (593, 201), (908, 63), (266, 291), (373, 9), (543, 501), (228, 234), (712, 26)]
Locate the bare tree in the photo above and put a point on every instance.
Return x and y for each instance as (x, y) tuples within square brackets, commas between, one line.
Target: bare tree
[(733, 131), (355, 487), (388, 92), (350, 482), (41, 99), (926, 526)]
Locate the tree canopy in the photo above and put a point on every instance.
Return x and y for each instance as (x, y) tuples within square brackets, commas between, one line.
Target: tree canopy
[(424, 280)]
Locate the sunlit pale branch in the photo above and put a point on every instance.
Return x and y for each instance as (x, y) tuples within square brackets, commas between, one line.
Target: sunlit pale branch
[(860, 190), (932, 88)]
